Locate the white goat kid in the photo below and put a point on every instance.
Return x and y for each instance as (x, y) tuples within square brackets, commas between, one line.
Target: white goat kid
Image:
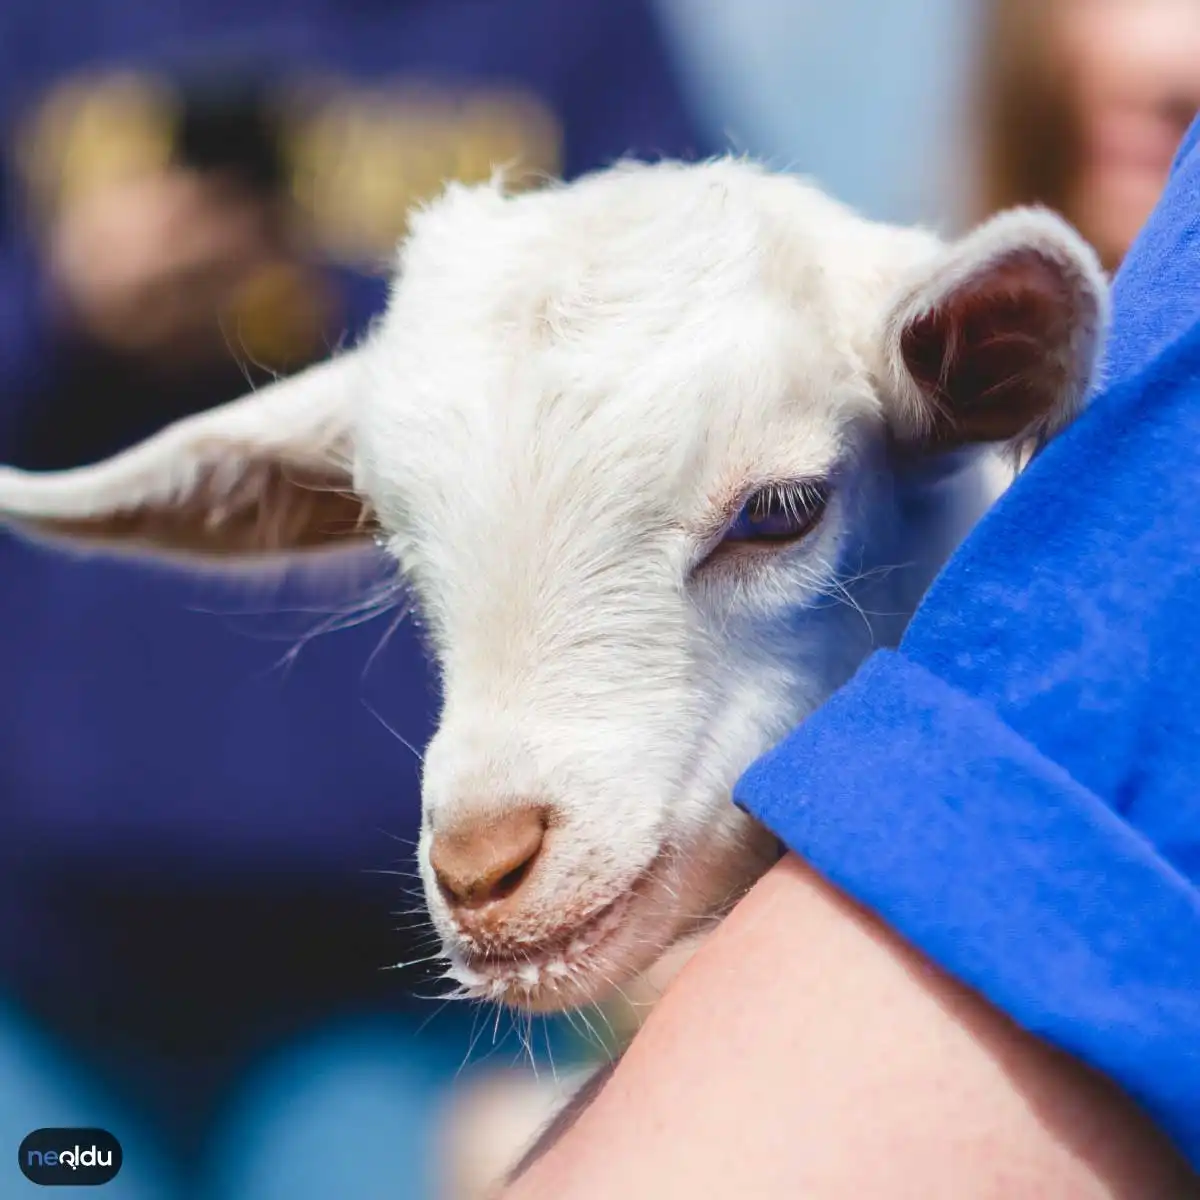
[(662, 455)]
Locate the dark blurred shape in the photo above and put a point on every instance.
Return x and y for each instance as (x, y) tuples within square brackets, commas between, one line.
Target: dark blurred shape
[(228, 123)]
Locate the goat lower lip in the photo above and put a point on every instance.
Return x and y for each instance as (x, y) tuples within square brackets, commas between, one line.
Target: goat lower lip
[(561, 945), (523, 974)]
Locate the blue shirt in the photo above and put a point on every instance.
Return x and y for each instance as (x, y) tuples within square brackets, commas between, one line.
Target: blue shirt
[(1016, 790)]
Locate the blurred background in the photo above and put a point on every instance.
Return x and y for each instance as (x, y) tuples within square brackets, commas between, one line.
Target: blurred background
[(208, 794)]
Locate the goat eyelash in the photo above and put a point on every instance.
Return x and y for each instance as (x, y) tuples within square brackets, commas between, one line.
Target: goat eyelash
[(770, 518), (796, 508)]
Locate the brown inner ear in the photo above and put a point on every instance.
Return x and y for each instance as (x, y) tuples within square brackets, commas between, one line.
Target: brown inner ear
[(994, 356), (269, 509)]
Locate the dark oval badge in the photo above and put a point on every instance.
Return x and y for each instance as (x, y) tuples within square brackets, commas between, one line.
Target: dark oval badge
[(69, 1157)]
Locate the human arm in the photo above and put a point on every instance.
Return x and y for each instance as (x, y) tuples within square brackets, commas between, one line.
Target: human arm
[(808, 1051)]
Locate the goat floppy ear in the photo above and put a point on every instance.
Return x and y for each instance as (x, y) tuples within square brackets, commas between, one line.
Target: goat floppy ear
[(996, 340), (267, 474)]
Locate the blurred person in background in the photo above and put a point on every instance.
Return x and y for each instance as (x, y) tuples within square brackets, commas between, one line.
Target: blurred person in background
[(192, 194), (940, 111), (1082, 105)]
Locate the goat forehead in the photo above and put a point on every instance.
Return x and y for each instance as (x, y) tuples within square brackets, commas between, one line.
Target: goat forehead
[(668, 237), (631, 330), (505, 420)]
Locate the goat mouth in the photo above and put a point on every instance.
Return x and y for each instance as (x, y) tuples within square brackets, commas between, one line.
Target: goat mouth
[(554, 972), (515, 974)]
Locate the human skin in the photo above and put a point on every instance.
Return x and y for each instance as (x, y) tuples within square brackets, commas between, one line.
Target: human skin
[(807, 1051), (144, 265), (1132, 68)]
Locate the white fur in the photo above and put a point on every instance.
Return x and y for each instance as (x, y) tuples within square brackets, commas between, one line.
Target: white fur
[(569, 395)]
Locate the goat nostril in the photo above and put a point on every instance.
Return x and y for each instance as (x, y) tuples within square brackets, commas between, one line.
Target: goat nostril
[(483, 862), (507, 884)]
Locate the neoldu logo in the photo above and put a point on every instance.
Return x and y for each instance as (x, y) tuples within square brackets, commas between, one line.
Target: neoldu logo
[(71, 1157)]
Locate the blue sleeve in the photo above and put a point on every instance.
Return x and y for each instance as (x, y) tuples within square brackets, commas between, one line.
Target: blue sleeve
[(1017, 789), (917, 800)]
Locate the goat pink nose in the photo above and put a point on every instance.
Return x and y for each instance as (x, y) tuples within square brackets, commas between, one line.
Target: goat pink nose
[(487, 859)]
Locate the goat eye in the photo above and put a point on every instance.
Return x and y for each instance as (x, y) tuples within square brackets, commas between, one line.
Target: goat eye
[(779, 513)]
